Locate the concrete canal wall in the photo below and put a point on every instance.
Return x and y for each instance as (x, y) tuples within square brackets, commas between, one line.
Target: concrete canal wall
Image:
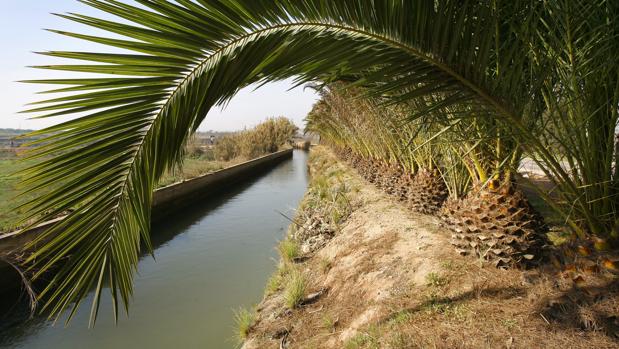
[(169, 199)]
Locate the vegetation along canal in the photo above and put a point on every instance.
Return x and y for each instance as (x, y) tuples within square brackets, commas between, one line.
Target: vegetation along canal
[(210, 259)]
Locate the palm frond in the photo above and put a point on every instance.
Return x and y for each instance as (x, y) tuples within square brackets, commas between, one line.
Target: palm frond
[(187, 56)]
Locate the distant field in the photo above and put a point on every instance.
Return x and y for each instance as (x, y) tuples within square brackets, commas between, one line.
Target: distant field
[(200, 161), (8, 189), (9, 164)]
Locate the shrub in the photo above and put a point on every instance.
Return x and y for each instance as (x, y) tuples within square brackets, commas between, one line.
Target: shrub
[(267, 137), (226, 148), (194, 147)]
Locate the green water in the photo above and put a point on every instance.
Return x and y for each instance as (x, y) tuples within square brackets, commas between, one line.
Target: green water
[(210, 260)]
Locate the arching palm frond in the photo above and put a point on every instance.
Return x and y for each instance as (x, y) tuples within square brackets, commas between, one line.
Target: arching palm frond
[(188, 56), (581, 39)]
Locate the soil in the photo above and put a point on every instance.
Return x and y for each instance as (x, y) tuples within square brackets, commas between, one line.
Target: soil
[(389, 278)]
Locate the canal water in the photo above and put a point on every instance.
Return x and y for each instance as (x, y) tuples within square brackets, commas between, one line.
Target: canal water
[(210, 260)]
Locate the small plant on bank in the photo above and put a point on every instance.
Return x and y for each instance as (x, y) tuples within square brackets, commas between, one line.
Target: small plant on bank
[(368, 339), (289, 250), (446, 307), (400, 317), (436, 280), (448, 265), (244, 320), (273, 284), (325, 265), (329, 323), (400, 340), (277, 279), (296, 285)]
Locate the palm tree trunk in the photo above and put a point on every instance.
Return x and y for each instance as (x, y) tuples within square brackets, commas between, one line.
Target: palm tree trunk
[(616, 157), (496, 223)]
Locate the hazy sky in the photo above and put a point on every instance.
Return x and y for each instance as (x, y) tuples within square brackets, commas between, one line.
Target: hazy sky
[(21, 33)]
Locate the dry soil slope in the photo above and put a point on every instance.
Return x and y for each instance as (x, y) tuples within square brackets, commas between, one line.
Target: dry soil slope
[(394, 281)]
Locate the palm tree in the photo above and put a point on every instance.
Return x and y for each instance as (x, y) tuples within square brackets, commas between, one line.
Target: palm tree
[(185, 56), (390, 151), (493, 220)]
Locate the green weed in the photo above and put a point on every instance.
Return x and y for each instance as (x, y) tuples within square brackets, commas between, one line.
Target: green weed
[(445, 307), (289, 250), (436, 280), (244, 320), (294, 292), (329, 323), (368, 339), (276, 280), (400, 317)]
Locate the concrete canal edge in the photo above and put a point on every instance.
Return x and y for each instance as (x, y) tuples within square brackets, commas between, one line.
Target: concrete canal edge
[(166, 200), (169, 199)]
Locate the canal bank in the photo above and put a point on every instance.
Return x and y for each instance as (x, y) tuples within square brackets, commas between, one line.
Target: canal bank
[(211, 259), (368, 272), (169, 199)]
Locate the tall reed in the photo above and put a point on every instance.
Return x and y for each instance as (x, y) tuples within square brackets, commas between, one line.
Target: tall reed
[(266, 137)]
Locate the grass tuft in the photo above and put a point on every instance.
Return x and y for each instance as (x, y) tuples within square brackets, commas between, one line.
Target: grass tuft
[(329, 323), (369, 339), (446, 307), (448, 265), (401, 317), (325, 265), (296, 285), (277, 279), (401, 340), (436, 280), (244, 320), (289, 250), (273, 284)]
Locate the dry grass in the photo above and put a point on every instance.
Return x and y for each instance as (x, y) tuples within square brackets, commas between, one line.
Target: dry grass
[(395, 282), (266, 137), (325, 265)]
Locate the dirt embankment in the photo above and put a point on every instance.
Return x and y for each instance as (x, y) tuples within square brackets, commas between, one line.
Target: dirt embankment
[(376, 275)]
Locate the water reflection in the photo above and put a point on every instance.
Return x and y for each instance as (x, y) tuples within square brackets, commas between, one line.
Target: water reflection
[(214, 257)]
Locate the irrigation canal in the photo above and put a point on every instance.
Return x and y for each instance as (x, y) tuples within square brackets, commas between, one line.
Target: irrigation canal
[(211, 259)]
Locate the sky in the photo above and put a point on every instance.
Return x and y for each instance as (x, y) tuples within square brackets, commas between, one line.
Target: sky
[(22, 24)]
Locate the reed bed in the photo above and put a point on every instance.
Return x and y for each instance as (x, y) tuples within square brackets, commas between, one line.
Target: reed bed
[(267, 137)]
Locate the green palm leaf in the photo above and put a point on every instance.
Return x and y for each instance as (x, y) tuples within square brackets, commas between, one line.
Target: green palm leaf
[(131, 124)]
